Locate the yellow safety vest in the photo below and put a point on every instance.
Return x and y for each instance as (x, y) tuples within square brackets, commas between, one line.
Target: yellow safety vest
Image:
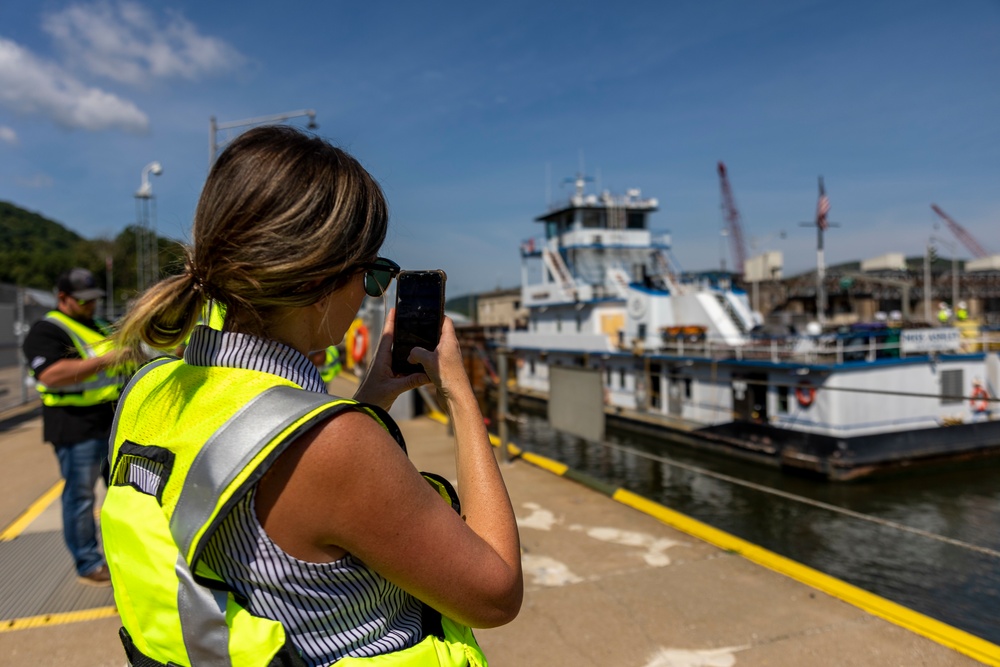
[(102, 387), (213, 315), (188, 443), (331, 364)]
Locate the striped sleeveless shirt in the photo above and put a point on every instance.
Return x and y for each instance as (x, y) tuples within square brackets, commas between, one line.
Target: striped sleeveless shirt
[(329, 610)]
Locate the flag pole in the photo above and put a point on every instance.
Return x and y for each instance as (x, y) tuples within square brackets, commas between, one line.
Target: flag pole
[(822, 207), (820, 277)]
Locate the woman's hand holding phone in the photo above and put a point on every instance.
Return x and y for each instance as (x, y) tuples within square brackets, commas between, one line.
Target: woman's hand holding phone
[(381, 386)]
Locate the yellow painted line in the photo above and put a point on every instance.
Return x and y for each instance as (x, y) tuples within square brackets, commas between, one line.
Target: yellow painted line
[(544, 463), (30, 514), (540, 461), (439, 417), (944, 634), (57, 619)]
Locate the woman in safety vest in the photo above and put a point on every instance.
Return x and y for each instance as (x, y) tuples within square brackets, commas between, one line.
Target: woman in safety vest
[(254, 520)]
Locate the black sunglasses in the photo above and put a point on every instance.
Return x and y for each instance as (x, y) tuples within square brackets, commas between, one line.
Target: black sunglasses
[(378, 275)]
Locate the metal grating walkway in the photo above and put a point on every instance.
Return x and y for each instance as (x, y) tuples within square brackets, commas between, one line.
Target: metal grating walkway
[(37, 578)]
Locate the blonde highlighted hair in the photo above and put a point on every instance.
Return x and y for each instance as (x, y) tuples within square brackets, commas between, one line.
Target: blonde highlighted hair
[(284, 219)]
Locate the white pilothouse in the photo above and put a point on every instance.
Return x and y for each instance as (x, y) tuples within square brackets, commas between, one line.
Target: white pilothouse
[(601, 280)]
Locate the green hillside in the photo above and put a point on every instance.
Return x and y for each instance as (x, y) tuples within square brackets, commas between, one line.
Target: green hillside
[(35, 250)]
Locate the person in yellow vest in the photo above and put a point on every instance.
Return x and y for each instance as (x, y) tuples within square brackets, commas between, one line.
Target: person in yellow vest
[(73, 366), (327, 362), (962, 312), (944, 313), (252, 518)]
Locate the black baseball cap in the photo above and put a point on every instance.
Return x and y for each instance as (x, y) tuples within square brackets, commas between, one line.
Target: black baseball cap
[(79, 284)]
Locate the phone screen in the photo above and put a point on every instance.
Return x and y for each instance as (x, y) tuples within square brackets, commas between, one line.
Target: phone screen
[(419, 315)]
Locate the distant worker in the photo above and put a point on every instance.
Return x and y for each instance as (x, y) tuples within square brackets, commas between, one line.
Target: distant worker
[(944, 313), (74, 365), (327, 362), (962, 312)]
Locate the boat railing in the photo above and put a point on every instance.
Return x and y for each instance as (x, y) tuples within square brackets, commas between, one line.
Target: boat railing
[(825, 349)]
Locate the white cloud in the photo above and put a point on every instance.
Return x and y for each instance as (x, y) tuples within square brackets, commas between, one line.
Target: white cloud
[(31, 86), (8, 135), (126, 43)]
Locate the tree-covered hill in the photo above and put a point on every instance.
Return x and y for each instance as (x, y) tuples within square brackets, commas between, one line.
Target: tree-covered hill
[(35, 250)]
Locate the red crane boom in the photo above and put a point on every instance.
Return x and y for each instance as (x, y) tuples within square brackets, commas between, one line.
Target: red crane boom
[(732, 215), (969, 241)]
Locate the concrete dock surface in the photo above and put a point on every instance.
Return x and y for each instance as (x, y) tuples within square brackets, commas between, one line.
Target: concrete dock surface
[(605, 585)]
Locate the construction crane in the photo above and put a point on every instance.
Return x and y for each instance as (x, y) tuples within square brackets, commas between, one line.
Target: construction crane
[(733, 223), (974, 246)]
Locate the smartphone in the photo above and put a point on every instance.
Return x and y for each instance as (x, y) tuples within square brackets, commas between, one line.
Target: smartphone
[(419, 316)]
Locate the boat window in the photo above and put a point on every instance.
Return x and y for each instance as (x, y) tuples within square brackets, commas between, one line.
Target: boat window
[(951, 387), (607, 377), (687, 388), (531, 366), (642, 332), (559, 323), (579, 323), (594, 218), (783, 398), (636, 220), (621, 378)]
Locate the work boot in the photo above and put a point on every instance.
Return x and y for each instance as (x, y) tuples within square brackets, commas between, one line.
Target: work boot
[(98, 577)]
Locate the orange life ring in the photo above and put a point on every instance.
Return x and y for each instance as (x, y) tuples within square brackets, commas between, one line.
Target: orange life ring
[(979, 400), (805, 394), (360, 346)]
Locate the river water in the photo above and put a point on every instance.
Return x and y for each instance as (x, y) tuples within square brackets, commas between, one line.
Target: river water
[(950, 581)]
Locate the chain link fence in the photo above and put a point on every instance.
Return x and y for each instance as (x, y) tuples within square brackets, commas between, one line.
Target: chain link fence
[(19, 308)]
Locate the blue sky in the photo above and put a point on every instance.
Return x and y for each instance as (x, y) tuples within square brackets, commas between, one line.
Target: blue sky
[(461, 110)]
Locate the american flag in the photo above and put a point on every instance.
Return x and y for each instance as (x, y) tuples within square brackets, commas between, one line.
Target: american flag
[(822, 206)]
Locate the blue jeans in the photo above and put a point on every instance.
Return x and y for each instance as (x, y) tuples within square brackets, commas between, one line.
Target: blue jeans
[(80, 465)]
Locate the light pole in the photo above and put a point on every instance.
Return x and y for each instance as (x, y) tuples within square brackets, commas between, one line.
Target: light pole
[(146, 246), (214, 127), (954, 269)]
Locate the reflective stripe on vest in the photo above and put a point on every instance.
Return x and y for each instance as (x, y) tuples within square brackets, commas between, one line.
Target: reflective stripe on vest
[(102, 387), (216, 454), (231, 449)]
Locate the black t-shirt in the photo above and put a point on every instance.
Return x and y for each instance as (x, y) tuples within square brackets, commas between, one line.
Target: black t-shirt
[(45, 344)]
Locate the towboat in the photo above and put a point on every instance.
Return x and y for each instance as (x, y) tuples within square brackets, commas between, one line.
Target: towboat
[(616, 329)]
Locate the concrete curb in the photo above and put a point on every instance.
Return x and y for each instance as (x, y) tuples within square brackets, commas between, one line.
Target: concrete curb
[(941, 633)]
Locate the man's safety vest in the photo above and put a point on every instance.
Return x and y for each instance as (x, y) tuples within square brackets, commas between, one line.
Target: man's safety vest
[(102, 387), (188, 443)]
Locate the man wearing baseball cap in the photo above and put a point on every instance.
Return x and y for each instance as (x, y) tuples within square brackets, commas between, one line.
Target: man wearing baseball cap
[(74, 367)]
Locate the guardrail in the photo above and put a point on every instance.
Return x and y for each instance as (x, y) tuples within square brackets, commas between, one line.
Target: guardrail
[(823, 349)]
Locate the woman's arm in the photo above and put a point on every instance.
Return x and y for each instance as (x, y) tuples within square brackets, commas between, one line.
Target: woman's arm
[(348, 487)]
